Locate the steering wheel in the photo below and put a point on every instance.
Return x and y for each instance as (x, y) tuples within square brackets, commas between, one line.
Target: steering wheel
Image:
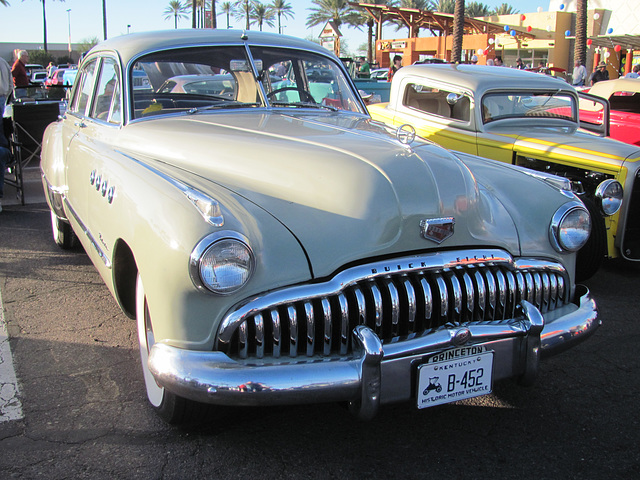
[(304, 95)]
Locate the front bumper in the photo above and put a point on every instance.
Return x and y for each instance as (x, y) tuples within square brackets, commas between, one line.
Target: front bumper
[(376, 374)]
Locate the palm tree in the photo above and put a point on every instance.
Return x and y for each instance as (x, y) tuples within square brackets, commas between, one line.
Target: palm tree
[(193, 13), (364, 18), (444, 6), (282, 9), (228, 9), (477, 9), (580, 49), (504, 9), (262, 14), (104, 18), (214, 15), (337, 11), (44, 20), (418, 4), (244, 8), (5, 3), (176, 10), (458, 31)]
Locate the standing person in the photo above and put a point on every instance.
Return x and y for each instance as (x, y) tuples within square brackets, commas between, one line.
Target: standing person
[(365, 69), (600, 74), (519, 64), (6, 87), (498, 61), (635, 73), (474, 60), (19, 70), (397, 65), (579, 77), (6, 84)]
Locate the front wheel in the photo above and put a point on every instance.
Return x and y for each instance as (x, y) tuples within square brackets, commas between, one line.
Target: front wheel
[(170, 407)]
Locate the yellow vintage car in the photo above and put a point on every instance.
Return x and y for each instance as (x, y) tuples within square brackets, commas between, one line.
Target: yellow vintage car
[(531, 120), (277, 246)]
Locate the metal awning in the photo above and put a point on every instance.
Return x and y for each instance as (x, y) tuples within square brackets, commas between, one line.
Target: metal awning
[(627, 42)]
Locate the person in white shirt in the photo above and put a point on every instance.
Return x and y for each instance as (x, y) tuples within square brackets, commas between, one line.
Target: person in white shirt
[(579, 74), (635, 73)]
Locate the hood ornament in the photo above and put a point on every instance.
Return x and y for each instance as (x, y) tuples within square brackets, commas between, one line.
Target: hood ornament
[(437, 229), (406, 134)]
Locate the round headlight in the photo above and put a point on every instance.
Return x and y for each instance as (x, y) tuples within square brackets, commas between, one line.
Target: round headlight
[(223, 266), (609, 195), (570, 227)]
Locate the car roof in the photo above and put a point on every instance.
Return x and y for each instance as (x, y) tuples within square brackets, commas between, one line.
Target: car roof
[(607, 88), (481, 78), (132, 45)]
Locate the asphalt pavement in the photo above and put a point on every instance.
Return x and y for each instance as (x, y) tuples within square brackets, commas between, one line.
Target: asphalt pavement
[(85, 413)]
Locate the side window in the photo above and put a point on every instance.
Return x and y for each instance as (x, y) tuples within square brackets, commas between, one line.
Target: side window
[(85, 86), (436, 101), (106, 106)]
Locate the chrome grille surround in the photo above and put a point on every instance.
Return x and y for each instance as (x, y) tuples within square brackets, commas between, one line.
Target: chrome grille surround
[(399, 299)]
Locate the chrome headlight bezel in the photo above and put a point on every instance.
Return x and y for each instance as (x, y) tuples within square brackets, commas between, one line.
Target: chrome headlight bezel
[(609, 196), (564, 233), (205, 250)]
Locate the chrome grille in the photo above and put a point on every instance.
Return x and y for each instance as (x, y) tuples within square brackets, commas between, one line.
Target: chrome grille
[(398, 303)]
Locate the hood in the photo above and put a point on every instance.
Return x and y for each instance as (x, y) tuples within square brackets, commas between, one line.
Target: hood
[(344, 187), (569, 143)]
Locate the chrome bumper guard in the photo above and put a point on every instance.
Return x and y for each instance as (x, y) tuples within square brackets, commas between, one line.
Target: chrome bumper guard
[(376, 373)]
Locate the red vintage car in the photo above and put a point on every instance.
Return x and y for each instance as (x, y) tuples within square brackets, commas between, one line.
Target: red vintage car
[(623, 95)]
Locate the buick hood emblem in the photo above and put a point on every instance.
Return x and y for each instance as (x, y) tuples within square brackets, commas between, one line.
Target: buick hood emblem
[(437, 229)]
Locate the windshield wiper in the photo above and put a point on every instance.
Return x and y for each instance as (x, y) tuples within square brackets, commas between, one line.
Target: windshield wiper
[(305, 104), (223, 105)]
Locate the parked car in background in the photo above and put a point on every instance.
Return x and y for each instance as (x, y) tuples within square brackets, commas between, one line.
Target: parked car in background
[(219, 84), (277, 246), (56, 78), (38, 76), (69, 77), (529, 120), (623, 95), (380, 74)]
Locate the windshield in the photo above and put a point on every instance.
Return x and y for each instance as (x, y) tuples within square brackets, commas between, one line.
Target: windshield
[(496, 106), (193, 80)]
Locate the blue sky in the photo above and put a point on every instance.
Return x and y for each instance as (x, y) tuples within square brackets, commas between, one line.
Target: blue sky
[(22, 20)]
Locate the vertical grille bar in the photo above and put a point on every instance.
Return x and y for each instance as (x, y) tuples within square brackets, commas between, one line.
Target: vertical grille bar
[(501, 299), (344, 324), (428, 298), (537, 281), (242, 340), (411, 305), (512, 294), (377, 306), (528, 278), (491, 293), (482, 295), (456, 292), (311, 328), (362, 306), (469, 294), (275, 326), (293, 330), (328, 330), (395, 305), (444, 298), (553, 291), (545, 292), (259, 323)]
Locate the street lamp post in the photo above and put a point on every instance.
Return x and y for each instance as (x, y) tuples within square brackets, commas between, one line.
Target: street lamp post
[(69, 22), (128, 27)]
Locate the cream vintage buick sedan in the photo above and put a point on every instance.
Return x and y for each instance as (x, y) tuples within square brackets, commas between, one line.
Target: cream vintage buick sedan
[(532, 120), (277, 246)]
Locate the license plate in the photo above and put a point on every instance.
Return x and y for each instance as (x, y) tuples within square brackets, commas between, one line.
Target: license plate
[(454, 375)]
